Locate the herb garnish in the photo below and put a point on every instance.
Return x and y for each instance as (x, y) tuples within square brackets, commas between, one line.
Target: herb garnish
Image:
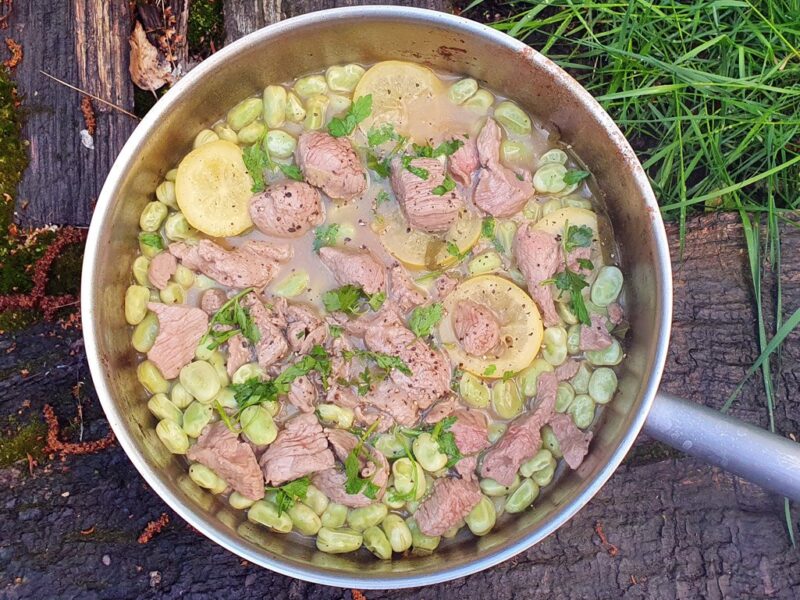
[(418, 171), (490, 370), (291, 171), (381, 166), (446, 440), (325, 235), (289, 493), (235, 316), (424, 318), (151, 239), (350, 299), (382, 196), (445, 148), (575, 176), (487, 227), (381, 135), (257, 159), (447, 185), (570, 281), (352, 468), (387, 362), (359, 110), (577, 237)]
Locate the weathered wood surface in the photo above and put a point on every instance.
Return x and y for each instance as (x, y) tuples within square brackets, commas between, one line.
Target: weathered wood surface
[(682, 529)]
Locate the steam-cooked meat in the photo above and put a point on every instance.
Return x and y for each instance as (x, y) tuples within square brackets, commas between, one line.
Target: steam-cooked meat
[(523, 438), (567, 369), (301, 448), (466, 467), (287, 209), (239, 353), (443, 408), (464, 161), (212, 300), (220, 450), (331, 164), (423, 208), (355, 267), (162, 267), (179, 331), (450, 502), (444, 284), (253, 264), (391, 400), (538, 256), (303, 394), (477, 329), (341, 396), (615, 313), (305, 329), (574, 443), (471, 430), (595, 336), (331, 482), (271, 345), (405, 292), (499, 191)]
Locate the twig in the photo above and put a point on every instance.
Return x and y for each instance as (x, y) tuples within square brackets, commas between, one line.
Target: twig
[(65, 448), (153, 527), (92, 96)]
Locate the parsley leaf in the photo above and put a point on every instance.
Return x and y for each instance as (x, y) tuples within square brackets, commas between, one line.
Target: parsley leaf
[(446, 440), (452, 250), (508, 375), (376, 301), (381, 135), (445, 148), (586, 264), (235, 316), (350, 298), (575, 176), (291, 171), (358, 111), (446, 186), (387, 362), (336, 331), (289, 493), (256, 161), (381, 166), (487, 227), (418, 171), (254, 391), (577, 237), (352, 468), (153, 240), (489, 371), (325, 235), (569, 281), (424, 318), (383, 196)]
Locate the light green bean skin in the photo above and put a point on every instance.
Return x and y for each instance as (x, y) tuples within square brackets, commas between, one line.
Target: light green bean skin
[(528, 378), (154, 296), (603, 385), (151, 378), (537, 463), (226, 399), (304, 519), (504, 232), (274, 105), (499, 503), (140, 268), (226, 133), (492, 488), (555, 156), (293, 285), (549, 179), (334, 516), (147, 250), (453, 531), (550, 441), (574, 339), (554, 345), (251, 133), (165, 192), (480, 102), (606, 358), (206, 136), (512, 151), (315, 111), (163, 408), (390, 500), (195, 417), (482, 517), (338, 541), (204, 350), (607, 286), (344, 78), (280, 144), (412, 506), (206, 478), (239, 502), (474, 392), (532, 210), (582, 411), (144, 334), (426, 451), (397, 532), (200, 380), (184, 277), (462, 90), (152, 216), (408, 476), (136, 299), (565, 313), (172, 436), (496, 431), (177, 228), (305, 87), (316, 500), (265, 513), (258, 426), (580, 381), (522, 498), (295, 111), (339, 104), (551, 206), (485, 263), (366, 516), (244, 113), (376, 542), (419, 541), (577, 202), (248, 371), (565, 394), (388, 444), (172, 293), (171, 175), (217, 360), (340, 416), (544, 477), (506, 399), (513, 118)]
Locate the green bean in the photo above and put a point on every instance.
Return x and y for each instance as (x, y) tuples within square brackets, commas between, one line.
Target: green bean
[(151, 378), (172, 293), (332, 414), (482, 517), (366, 516), (339, 104), (582, 411), (316, 500), (549, 179), (532, 210), (305, 87), (204, 137), (304, 519), (295, 111), (344, 78), (146, 248), (506, 399), (184, 277), (565, 394), (244, 113), (574, 339), (180, 397), (206, 478), (544, 476), (554, 345), (226, 133), (248, 371), (141, 265), (523, 497), (338, 541), (565, 313), (163, 408), (145, 333), (538, 462), (389, 444), (513, 118), (280, 144), (274, 105), (513, 151), (217, 360), (236, 500), (606, 358), (251, 133), (315, 116), (606, 286), (529, 377), (397, 532), (293, 285), (553, 156), (426, 451), (490, 487), (258, 426), (266, 513), (200, 380), (419, 541), (474, 392), (550, 441), (165, 192), (462, 90), (195, 417), (136, 298), (580, 381), (485, 263), (334, 516), (602, 385), (504, 233), (172, 436), (496, 431), (480, 101), (171, 175), (409, 476), (376, 542), (177, 228)]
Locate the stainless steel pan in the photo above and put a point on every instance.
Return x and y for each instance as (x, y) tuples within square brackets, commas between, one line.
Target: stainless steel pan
[(365, 35)]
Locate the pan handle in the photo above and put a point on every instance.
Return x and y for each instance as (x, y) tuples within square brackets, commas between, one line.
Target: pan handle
[(755, 454)]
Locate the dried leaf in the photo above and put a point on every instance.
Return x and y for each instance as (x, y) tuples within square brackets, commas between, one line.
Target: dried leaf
[(149, 70)]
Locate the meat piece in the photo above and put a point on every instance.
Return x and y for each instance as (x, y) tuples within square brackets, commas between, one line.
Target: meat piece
[(440, 410), (343, 442), (300, 448), (567, 369), (368, 415), (451, 501), (180, 329), (344, 397), (522, 439), (162, 267), (355, 267), (271, 346), (212, 300), (500, 192), (391, 400), (477, 329), (303, 394), (615, 313), (239, 353), (596, 335), (538, 256), (405, 292), (331, 482), (341, 368), (253, 264), (575, 256), (305, 328), (287, 209), (220, 450), (444, 284), (471, 431), (331, 164), (467, 467), (464, 161), (574, 443), (423, 209)]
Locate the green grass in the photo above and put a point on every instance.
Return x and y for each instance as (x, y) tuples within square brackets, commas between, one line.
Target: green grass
[(708, 93)]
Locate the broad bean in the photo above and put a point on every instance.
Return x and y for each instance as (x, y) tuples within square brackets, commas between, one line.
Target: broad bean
[(490, 487), (582, 411), (485, 263), (607, 286), (550, 441), (257, 425), (375, 541), (366, 516), (144, 334), (565, 313), (606, 358), (338, 541), (274, 105), (554, 345), (171, 175), (165, 192), (217, 360), (344, 78), (565, 394), (200, 380), (315, 116), (426, 451), (244, 113), (184, 277), (506, 399), (293, 285), (206, 478), (163, 408), (204, 349), (236, 500), (248, 371), (295, 111), (537, 463), (532, 210), (340, 416), (389, 444), (266, 513), (150, 243), (474, 392), (397, 532), (339, 104), (195, 417), (529, 377), (480, 101), (580, 381), (499, 503), (172, 436), (392, 498), (136, 299), (544, 476), (549, 179), (151, 378), (180, 397), (204, 137), (482, 517), (334, 516), (141, 265), (602, 385), (251, 133), (419, 541), (513, 118), (172, 293), (515, 152), (316, 500), (577, 202), (312, 85), (552, 205), (226, 399), (522, 498), (462, 90), (177, 228), (409, 476), (304, 519), (553, 156), (574, 339), (226, 133), (504, 232)]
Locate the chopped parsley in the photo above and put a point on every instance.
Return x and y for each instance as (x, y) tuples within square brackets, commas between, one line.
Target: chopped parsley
[(487, 227), (325, 235), (350, 299), (257, 160), (453, 250), (382, 197), (153, 240), (508, 375), (445, 148), (424, 318), (446, 440), (490, 370), (447, 185), (291, 171), (570, 281), (237, 318), (387, 362), (577, 237), (358, 111), (356, 484), (335, 330), (254, 391), (418, 171), (381, 166), (381, 135), (586, 264), (289, 493), (575, 176)]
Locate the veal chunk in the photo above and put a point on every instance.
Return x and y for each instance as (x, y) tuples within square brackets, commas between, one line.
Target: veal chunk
[(574, 443), (424, 209), (300, 448), (355, 267), (220, 450), (161, 268), (464, 161), (271, 345), (304, 328), (477, 329), (287, 209), (595, 336), (179, 331), (538, 257), (390, 403), (331, 164), (471, 430), (405, 292), (450, 502)]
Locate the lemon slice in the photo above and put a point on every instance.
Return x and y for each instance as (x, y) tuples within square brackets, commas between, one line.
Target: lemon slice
[(213, 189), (556, 222), (394, 85), (520, 325), (420, 250)]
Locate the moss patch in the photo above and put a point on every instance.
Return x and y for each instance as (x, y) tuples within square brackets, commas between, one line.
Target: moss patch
[(18, 441), (651, 452), (12, 152), (206, 27)]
